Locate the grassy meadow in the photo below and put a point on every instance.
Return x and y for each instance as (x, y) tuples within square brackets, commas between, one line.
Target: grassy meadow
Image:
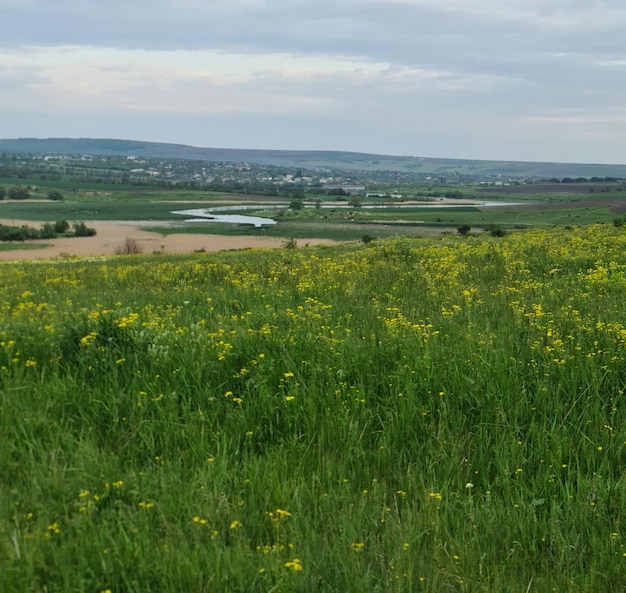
[(434, 415)]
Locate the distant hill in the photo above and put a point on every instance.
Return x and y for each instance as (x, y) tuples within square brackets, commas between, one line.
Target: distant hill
[(337, 160)]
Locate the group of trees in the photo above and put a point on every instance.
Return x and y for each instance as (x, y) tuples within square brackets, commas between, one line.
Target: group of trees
[(49, 230), (15, 192), (22, 192), (593, 179)]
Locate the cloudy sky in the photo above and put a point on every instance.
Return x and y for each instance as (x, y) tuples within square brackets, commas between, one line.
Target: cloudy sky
[(541, 80)]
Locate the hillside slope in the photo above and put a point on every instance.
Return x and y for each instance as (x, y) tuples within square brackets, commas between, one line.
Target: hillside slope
[(311, 158)]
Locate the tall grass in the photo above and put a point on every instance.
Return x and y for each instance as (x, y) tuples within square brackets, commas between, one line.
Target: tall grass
[(410, 415)]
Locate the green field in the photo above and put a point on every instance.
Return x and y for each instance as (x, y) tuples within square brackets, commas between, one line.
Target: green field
[(18, 246), (442, 414), (332, 221)]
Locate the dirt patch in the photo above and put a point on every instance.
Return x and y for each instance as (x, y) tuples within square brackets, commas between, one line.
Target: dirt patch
[(111, 234)]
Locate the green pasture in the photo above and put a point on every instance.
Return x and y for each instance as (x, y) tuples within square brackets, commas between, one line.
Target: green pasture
[(506, 216), (297, 229), (20, 246), (90, 209), (440, 414), (510, 218)]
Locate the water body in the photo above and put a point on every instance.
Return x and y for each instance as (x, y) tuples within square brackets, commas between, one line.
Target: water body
[(213, 214)]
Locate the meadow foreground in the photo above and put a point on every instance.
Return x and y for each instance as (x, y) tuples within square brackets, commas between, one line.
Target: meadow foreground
[(410, 415)]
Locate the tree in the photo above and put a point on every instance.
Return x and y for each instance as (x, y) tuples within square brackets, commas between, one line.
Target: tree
[(55, 195), (18, 192), (3, 192), (47, 231), (337, 191), (82, 230), (495, 230), (61, 226)]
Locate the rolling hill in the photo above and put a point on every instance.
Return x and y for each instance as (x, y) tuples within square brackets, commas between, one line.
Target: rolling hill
[(337, 160)]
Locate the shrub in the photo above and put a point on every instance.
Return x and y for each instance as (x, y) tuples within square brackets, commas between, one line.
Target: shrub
[(495, 230), (15, 233), (81, 230), (61, 227), (128, 247), (290, 243), (47, 231), (55, 195)]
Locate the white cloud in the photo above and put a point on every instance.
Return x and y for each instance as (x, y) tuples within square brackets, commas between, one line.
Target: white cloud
[(89, 79), (579, 119), (475, 74), (548, 13)]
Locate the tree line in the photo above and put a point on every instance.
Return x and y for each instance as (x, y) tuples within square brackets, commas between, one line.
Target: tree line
[(22, 192), (48, 230)]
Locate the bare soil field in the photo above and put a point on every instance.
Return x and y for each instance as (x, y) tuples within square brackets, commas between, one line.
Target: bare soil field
[(111, 235)]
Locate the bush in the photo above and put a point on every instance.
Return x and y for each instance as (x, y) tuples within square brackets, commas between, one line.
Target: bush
[(15, 233), (82, 230), (61, 227), (290, 243), (464, 229), (495, 230), (129, 247), (55, 195), (47, 231)]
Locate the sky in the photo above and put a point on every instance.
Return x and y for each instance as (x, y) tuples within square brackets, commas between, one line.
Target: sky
[(535, 80)]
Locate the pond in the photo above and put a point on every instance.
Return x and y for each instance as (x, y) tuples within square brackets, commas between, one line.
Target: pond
[(210, 215)]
